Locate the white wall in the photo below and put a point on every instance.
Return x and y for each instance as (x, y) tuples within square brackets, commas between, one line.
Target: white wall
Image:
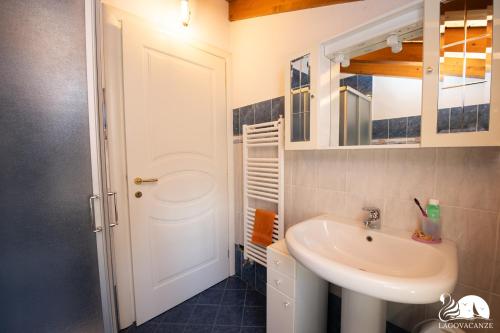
[(468, 95), (394, 97), (262, 46), (209, 18)]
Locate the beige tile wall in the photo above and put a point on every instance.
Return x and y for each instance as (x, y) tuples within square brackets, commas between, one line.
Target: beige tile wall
[(465, 180)]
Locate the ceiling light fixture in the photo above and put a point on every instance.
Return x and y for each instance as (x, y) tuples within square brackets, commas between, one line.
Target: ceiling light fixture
[(395, 43), (185, 13), (343, 59)]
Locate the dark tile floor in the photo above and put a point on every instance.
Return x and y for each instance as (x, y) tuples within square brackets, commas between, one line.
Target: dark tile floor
[(230, 306)]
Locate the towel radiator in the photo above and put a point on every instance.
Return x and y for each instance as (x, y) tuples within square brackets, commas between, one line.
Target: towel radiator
[(263, 181)]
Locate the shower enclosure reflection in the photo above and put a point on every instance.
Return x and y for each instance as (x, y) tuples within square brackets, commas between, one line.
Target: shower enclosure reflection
[(380, 89)]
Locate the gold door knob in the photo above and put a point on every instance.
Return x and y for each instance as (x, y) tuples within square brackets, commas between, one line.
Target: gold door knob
[(139, 180)]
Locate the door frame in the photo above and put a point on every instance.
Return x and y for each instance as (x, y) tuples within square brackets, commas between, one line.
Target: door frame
[(124, 276), (96, 133)]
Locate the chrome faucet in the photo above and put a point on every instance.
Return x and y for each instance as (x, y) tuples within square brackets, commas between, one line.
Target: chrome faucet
[(373, 219)]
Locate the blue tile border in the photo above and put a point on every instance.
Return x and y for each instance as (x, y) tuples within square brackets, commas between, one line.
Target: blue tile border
[(483, 117), (414, 127), (455, 120), (247, 115), (236, 122), (396, 130), (248, 272), (253, 273), (362, 83), (262, 112), (277, 108), (443, 120), (350, 81), (257, 113), (238, 257), (470, 118), (365, 84), (380, 129), (397, 127)]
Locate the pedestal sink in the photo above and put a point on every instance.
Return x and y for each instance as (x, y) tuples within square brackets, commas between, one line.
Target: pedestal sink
[(372, 267)]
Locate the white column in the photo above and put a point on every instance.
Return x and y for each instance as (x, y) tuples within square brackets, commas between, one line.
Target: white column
[(362, 313)]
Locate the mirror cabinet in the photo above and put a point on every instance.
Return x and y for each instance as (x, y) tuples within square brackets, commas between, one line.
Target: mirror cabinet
[(307, 107), (419, 76)]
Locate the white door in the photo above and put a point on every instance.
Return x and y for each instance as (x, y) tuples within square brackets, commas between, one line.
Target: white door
[(175, 123)]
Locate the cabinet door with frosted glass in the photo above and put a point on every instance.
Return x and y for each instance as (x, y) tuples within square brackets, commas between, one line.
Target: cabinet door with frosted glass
[(461, 91), (298, 113)]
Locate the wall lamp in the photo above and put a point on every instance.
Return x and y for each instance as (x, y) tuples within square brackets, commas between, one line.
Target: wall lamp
[(185, 13)]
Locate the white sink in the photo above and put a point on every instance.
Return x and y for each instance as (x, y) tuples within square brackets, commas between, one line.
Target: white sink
[(373, 265)]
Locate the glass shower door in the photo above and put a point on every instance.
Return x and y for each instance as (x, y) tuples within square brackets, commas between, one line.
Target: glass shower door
[(49, 274)]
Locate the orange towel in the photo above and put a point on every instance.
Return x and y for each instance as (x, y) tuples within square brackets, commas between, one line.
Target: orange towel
[(263, 227)]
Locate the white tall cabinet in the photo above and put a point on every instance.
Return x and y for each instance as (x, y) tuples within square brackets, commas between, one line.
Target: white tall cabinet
[(297, 299)]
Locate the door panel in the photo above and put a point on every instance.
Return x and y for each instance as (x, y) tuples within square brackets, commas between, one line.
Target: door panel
[(49, 278), (165, 234), (170, 81), (176, 132)]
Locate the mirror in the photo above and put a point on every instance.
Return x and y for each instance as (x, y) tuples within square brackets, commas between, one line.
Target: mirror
[(300, 79), (465, 66), (381, 89)]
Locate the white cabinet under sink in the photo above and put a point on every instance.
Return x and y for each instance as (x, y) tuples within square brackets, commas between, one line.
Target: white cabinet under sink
[(297, 299)]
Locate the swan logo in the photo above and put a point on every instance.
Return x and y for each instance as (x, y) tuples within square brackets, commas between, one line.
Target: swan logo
[(468, 308)]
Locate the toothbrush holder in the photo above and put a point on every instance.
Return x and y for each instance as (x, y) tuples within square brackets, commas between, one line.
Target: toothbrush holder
[(431, 230)]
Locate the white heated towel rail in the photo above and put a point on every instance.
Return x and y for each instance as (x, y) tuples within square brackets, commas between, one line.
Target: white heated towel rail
[(263, 181)]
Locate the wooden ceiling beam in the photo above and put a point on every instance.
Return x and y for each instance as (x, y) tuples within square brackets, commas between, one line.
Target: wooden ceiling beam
[(453, 67), (244, 9), (389, 68), (410, 52), (475, 68)]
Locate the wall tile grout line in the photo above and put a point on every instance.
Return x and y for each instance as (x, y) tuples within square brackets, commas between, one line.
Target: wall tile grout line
[(495, 257), (477, 118)]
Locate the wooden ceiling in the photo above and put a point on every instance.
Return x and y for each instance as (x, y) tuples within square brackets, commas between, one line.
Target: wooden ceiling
[(408, 62), (244, 9)]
